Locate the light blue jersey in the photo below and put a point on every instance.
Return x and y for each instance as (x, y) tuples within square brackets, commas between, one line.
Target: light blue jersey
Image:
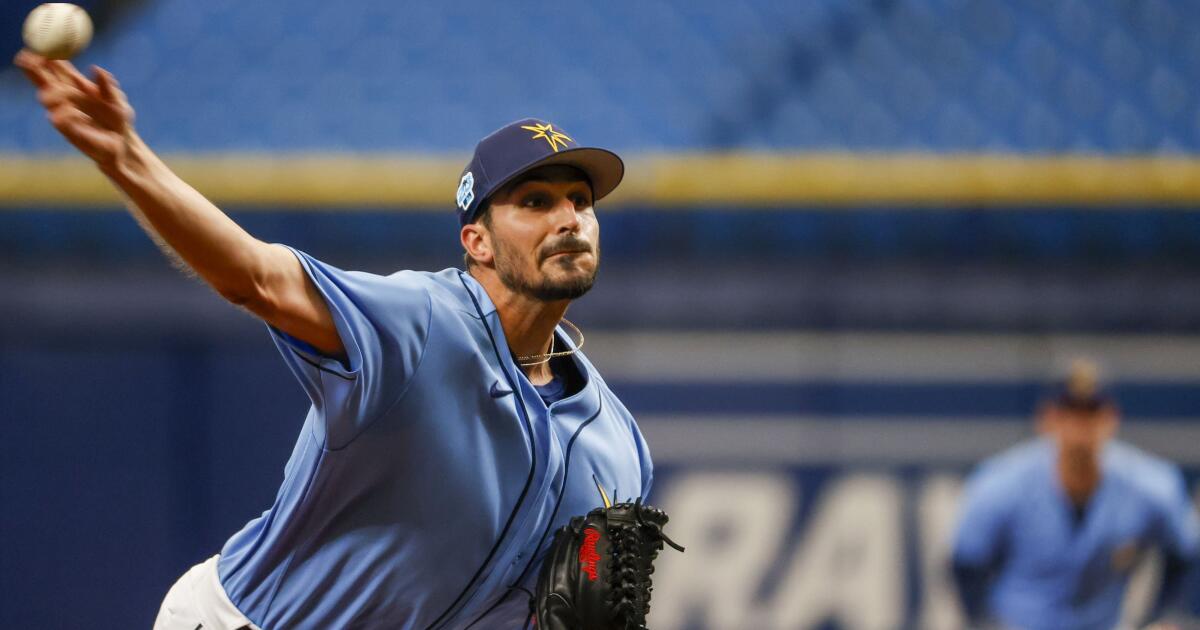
[(429, 473), (1052, 567)]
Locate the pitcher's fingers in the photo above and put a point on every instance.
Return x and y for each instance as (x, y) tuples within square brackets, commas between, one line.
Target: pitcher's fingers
[(26, 58), (85, 136), (30, 64), (68, 71), (109, 87), (54, 95), (60, 75), (103, 111), (57, 93), (65, 117), (51, 66)]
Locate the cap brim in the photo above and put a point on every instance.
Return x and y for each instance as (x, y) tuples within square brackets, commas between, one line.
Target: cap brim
[(603, 167)]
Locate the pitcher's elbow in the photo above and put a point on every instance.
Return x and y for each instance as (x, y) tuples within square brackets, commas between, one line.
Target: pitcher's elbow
[(250, 296)]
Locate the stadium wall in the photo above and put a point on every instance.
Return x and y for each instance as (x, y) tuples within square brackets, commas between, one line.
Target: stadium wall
[(818, 469)]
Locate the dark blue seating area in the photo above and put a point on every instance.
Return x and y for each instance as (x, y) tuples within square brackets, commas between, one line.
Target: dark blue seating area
[(1109, 76)]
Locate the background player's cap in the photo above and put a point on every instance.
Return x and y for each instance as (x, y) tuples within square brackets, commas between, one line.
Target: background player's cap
[(1082, 389), (524, 145)]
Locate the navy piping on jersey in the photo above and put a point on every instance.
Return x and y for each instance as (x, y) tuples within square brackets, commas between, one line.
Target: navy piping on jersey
[(319, 366), (532, 464), (557, 503)]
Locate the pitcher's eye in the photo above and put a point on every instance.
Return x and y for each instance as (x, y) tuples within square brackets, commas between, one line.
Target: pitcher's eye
[(535, 200)]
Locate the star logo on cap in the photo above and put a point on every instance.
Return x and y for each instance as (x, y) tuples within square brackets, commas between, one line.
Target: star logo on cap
[(550, 134)]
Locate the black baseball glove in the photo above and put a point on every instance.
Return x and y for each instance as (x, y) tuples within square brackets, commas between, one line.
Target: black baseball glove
[(597, 574)]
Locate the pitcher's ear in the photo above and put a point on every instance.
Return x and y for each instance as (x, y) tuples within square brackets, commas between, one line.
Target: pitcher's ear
[(477, 243)]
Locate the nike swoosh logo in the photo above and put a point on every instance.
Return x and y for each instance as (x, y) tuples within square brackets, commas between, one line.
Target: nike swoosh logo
[(499, 391)]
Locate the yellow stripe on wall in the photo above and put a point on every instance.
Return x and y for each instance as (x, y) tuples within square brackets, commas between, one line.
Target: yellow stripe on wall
[(749, 180)]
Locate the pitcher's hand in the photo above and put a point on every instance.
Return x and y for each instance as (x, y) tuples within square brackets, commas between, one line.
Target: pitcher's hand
[(92, 114)]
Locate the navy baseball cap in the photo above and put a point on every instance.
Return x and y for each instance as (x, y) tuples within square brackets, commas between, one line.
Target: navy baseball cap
[(524, 145), (1082, 389)]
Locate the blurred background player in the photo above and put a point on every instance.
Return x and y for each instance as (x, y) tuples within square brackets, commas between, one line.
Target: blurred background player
[(1052, 529)]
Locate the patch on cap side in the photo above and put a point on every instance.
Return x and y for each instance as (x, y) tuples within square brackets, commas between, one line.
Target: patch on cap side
[(466, 191)]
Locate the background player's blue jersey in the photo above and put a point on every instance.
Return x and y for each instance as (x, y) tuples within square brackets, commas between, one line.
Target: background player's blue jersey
[(1054, 567), (429, 473)]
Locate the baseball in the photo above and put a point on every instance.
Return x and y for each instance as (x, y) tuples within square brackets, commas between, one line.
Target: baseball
[(57, 30)]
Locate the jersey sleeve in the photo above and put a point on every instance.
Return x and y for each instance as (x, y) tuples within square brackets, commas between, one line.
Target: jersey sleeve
[(1181, 527), (644, 457), (979, 539), (383, 323), (1179, 536), (983, 512)]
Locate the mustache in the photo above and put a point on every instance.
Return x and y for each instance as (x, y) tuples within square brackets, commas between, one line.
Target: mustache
[(569, 243)]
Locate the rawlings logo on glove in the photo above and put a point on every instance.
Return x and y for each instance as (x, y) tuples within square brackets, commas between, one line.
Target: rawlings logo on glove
[(597, 574), (587, 553)]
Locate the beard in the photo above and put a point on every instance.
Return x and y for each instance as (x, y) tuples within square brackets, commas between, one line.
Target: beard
[(545, 288), (1079, 456)]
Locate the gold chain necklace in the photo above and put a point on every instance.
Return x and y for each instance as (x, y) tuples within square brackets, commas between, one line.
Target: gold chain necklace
[(538, 359)]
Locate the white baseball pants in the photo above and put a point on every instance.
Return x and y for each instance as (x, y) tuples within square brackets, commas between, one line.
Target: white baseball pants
[(197, 601)]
